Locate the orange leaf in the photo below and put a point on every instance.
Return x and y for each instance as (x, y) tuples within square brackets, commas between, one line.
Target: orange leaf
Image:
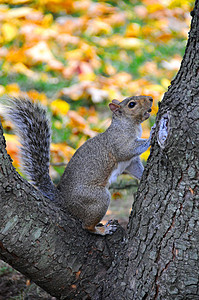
[(12, 146), (61, 151), (76, 118)]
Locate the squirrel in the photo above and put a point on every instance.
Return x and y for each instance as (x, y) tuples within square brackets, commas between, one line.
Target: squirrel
[(83, 188)]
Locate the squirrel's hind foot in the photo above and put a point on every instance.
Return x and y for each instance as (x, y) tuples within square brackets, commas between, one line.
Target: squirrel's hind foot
[(108, 228)]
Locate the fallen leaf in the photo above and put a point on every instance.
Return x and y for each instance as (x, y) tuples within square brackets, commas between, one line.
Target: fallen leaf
[(116, 195), (173, 64), (97, 95), (98, 27), (127, 43), (9, 32), (22, 69), (133, 30), (76, 118), (60, 152), (42, 53), (12, 146), (59, 106)]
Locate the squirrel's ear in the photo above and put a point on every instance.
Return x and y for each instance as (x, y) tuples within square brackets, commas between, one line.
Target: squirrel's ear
[(114, 105), (115, 101)]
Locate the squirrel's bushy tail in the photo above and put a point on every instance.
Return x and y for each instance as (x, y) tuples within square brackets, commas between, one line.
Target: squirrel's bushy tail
[(34, 132)]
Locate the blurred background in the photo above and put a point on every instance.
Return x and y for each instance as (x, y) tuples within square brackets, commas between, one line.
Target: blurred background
[(76, 56)]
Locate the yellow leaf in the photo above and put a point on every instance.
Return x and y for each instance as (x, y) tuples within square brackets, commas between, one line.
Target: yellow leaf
[(127, 43), (74, 54), (38, 96), (58, 124), (40, 52), (145, 155), (17, 2), (165, 82), (156, 87), (57, 5), (186, 4), (60, 107), (87, 76), (21, 68), (9, 31), (97, 27), (13, 89), (154, 5), (2, 90), (47, 20), (109, 69), (133, 30), (20, 12), (113, 93)]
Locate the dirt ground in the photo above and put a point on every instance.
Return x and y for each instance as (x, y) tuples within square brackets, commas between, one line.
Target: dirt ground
[(15, 286)]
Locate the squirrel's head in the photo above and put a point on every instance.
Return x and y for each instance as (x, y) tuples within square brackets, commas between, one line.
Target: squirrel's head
[(136, 108)]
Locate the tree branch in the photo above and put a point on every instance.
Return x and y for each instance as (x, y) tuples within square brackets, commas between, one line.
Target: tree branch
[(47, 245)]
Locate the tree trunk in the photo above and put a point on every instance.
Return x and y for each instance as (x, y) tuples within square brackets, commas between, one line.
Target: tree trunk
[(161, 255), (158, 256)]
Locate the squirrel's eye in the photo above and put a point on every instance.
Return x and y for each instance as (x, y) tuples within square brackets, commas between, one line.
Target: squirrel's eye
[(131, 104)]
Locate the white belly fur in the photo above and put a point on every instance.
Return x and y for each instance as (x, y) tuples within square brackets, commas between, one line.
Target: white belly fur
[(119, 170), (123, 164)]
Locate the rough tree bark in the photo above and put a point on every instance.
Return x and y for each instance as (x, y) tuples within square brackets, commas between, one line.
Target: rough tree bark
[(157, 258)]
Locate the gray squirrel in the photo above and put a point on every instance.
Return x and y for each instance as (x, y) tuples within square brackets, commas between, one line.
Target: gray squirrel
[(83, 188)]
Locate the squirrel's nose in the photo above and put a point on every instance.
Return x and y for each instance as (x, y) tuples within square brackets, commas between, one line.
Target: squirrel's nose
[(151, 99)]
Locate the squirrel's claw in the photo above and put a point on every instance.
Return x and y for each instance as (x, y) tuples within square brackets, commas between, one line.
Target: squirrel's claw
[(100, 229), (108, 228)]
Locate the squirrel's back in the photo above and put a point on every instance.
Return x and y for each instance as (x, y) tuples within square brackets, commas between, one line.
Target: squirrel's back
[(32, 127), (91, 164)]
